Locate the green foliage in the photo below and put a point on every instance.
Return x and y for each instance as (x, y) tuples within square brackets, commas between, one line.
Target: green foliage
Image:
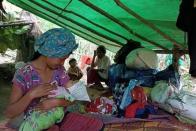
[(11, 37)]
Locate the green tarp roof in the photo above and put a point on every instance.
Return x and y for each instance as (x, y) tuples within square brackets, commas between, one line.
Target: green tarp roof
[(113, 22)]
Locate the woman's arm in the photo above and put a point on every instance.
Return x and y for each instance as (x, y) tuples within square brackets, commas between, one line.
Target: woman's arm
[(51, 103), (19, 102)]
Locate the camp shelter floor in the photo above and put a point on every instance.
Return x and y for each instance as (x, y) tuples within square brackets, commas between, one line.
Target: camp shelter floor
[(133, 126), (171, 124)]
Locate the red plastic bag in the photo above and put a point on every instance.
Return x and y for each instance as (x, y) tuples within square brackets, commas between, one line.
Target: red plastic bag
[(139, 95), (131, 110)]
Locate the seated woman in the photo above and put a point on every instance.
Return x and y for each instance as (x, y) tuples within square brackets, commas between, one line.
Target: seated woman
[(98, 71), (32, 82)]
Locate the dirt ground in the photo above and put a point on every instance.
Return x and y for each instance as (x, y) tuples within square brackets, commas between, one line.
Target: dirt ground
[(5, 89)]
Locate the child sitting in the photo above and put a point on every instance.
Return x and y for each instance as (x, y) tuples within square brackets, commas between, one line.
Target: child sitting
[(74, 71)]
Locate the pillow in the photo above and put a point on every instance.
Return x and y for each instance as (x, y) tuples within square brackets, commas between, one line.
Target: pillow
[(142, 58)]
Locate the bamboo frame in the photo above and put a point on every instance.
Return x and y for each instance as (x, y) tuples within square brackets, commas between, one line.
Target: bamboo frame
[(15, 24)]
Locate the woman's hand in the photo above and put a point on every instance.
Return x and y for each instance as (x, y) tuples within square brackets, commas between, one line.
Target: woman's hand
[(41, 90), (51, 103)]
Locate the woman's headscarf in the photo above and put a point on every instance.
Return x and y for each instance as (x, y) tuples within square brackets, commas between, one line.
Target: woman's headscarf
[(57, 42)]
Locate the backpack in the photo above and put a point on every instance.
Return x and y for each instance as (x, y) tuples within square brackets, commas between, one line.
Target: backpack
[(121, 55)]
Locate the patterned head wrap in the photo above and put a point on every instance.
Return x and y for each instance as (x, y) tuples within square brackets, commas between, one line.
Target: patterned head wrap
[(57, 42)]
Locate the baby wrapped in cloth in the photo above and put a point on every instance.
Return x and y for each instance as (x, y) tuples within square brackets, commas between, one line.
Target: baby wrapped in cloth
[(38, 120)]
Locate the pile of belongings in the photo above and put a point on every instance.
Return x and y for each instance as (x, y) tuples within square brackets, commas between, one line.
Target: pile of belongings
[(135, 73)]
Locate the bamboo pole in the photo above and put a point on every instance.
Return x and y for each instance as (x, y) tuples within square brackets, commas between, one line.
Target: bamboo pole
[(15, 24)]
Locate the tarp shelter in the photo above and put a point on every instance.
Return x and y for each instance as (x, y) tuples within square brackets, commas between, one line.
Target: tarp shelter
[(113, 22)]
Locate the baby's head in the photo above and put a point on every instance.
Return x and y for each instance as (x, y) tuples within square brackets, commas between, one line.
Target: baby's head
[(73, 62)]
